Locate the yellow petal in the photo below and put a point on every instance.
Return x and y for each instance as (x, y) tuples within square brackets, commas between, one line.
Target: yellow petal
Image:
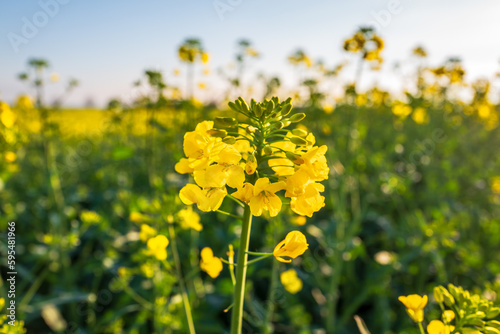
[(190, 194)]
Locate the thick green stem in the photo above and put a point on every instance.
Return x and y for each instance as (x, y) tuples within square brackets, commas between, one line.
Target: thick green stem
[(241, 272), (185, 299)]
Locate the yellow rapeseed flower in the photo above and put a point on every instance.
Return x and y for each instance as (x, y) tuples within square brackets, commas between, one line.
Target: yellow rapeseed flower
[(438, 327), (147, 232), (295, 244), (7, 116), (315, 163), (420, 115), (208, 199), (138, 217), (189, 219), (24, 102), (310, 201), (495, 184), (210, 264), (10, 156), (299, 220), (264, 197), (291, 281), (158, 246), (414, 306)]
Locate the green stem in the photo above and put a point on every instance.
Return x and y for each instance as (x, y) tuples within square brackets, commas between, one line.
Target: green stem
[(185, 300), (241, 272), (421, 328)]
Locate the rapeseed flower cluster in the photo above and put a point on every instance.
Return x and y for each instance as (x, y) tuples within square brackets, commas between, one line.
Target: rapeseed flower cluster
[(253, 161)]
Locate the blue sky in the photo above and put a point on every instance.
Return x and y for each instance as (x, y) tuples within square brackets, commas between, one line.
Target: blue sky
[(108, 44)]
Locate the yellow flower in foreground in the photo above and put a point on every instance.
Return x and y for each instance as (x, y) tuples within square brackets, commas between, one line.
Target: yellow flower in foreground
[(158, 246), (210, 264), (208, 199), (437, 327), (264, 197), (189, 219), (295, 244), (414, 306), (147, 232), (311, 201), (420, 116), (291, 281)]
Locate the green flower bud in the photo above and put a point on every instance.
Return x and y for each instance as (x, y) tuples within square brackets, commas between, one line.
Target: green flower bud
[(288, 101), (298, 141), (225, 122), (286, 109), (217, 133), (250, 129), (295, 158), (268, 150), (286, 122), (279, 125), (491, 330), (493, 323), (229, 140), (244, 105), (299, 132), (269, 107), (297, 117), (492, 312), (233, 106), (257, 110)]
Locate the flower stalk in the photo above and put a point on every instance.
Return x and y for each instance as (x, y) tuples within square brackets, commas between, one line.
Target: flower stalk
[(241, 272)]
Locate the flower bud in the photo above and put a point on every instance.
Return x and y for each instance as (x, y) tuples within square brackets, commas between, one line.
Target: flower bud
[(492, 312), (268, 150), (279, 125), (270, 107), (225, 122), (298, 141), (217, 133), (257, 110), (286, 109), (229, 140), (491, 330), (299, 132), (244, 105), (295, 158), (250, 129), (297, 117), (233, 106)]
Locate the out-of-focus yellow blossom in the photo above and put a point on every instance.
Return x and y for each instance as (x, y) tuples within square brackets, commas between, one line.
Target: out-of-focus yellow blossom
[(54, 77), (148, 270), (484, 111), (177, 71), (24, 102), (202, 85), (206, 71), (123, 272), (298, 220), (90, 217), (419, 52), (209, 199), (291, 281), (414, 306), (328, 108), (295, 244), (420, 115), (210, 264), (205, 57), (147, 232), (438, 327), (7, 116), (10, 156), (138, 217), (360, 100), (402, 110), (158, 246), (261, 196), (495, 184), (448, 316), (189, 219)]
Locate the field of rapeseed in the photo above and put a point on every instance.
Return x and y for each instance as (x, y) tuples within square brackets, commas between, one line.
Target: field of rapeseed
[(302, 211)]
